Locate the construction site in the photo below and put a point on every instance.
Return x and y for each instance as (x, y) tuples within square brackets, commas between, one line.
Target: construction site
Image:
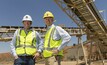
[(89, 22)]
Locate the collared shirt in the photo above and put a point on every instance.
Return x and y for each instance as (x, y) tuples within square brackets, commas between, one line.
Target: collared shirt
[(60, 34), (39, 42)]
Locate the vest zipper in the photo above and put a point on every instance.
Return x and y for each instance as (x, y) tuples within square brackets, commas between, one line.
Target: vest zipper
[(24, 44)]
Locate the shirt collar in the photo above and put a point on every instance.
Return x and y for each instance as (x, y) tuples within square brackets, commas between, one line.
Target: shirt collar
[(30, 29), (50, 26)]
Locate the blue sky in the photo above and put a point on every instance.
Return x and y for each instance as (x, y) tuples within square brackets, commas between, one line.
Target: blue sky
[(12, 12)]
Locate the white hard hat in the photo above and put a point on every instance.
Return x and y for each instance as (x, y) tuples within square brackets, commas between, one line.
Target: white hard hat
[(27, 18)]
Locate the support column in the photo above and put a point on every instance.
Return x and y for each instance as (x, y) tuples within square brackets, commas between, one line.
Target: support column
[(99, 50), (80, 42)]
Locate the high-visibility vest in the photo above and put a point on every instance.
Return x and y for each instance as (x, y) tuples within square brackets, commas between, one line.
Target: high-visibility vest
[(25, 43), (50, 43)]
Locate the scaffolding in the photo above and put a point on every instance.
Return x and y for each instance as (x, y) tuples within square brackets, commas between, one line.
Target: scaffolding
[(85, 14), (7, 32)]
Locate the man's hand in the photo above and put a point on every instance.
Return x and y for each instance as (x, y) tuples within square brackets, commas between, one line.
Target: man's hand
[(36, 55), (16, 57), (55, 51)]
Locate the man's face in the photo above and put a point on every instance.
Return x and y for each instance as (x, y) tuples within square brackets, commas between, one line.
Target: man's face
[(27, 24), (48, 21)]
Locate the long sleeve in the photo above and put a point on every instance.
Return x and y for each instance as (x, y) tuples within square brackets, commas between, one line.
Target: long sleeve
[(12, 44), (62, 34), (39, 42)]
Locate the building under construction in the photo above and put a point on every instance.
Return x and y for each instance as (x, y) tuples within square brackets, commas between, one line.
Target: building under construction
[(90, 23)]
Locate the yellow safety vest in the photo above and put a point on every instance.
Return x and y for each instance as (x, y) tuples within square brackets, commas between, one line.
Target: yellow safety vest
[(50, 43), (26, 43)]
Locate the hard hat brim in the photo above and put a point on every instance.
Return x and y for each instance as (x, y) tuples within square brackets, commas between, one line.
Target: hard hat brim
[(48, 17)]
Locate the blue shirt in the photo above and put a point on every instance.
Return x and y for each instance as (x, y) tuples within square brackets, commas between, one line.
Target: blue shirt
[(60, 34), (39, 42)]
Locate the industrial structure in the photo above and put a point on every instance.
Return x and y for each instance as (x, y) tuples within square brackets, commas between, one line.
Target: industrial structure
[(85, 14), (6, 32)]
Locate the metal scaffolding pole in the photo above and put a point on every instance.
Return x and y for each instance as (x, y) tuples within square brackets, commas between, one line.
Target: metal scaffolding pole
[(90, 55), (99, 50), (80, 42)]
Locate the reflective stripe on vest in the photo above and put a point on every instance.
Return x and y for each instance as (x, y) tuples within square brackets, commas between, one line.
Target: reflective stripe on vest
[(49, 43), (26, 43)]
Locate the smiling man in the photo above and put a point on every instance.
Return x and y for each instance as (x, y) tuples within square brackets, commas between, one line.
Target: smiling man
[(26, 45), (55, 40)]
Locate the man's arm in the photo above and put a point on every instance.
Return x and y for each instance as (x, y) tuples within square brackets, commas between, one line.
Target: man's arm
[(39, 45), (64, 36), (12, 45), (39, 42)]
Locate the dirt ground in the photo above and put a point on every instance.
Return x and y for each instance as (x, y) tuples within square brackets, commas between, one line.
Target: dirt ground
[(62, 63)]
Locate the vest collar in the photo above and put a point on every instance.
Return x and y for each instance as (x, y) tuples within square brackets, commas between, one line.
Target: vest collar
[(26, 31), (30, 29)]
